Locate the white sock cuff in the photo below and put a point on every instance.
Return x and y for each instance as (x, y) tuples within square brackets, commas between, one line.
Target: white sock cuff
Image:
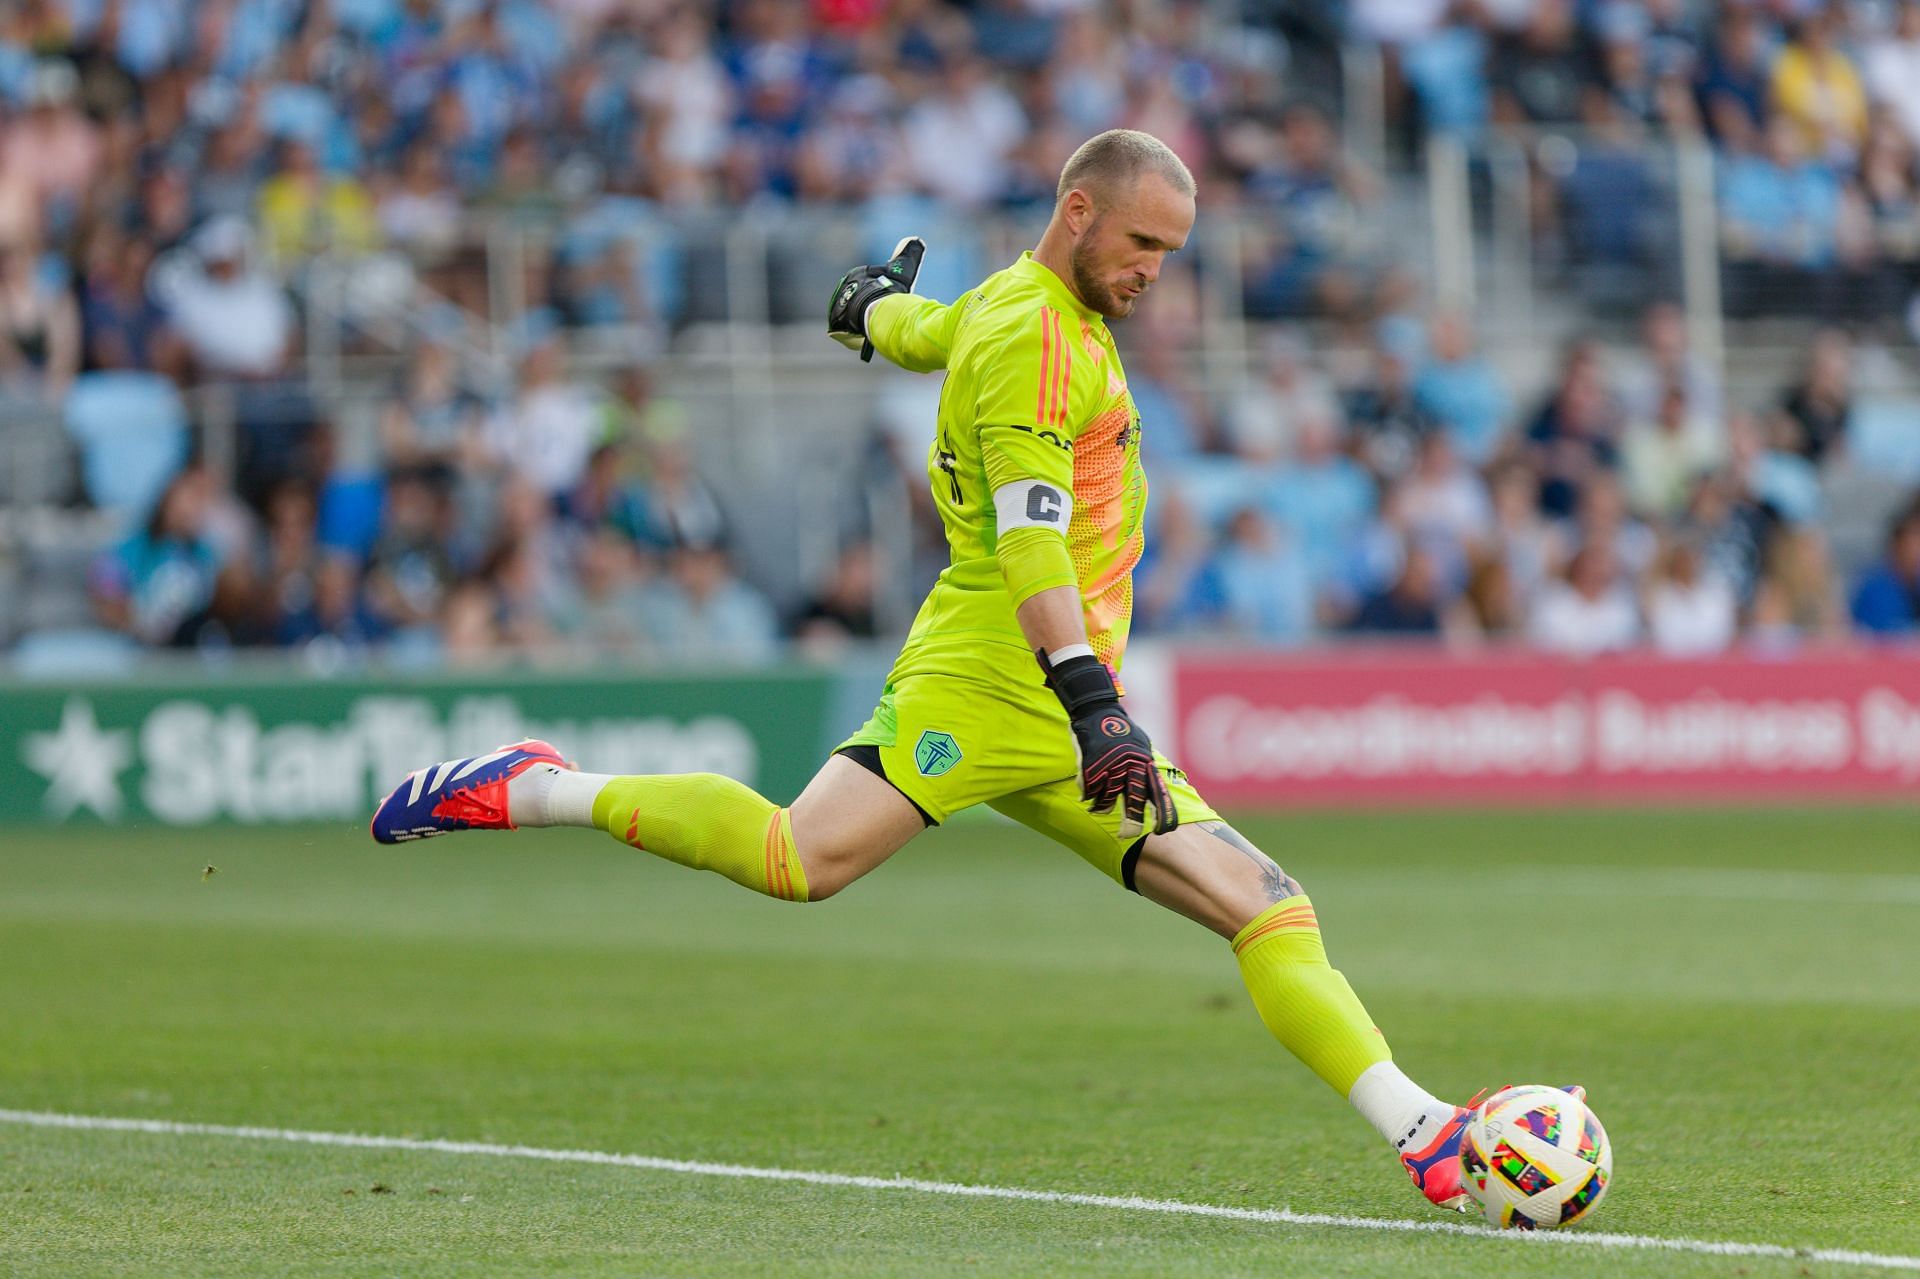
[(570, 799), (1393, 1103)]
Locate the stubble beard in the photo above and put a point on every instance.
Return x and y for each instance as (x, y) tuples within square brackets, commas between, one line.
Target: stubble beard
[(1094, 291)]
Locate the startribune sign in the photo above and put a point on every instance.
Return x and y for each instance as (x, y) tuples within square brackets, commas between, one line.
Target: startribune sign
[(327, 751)]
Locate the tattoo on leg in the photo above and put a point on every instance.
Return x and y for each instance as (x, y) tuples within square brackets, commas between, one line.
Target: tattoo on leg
[(1277, 883)]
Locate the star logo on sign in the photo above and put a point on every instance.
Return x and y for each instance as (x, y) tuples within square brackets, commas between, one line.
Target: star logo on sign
[(81, 760)]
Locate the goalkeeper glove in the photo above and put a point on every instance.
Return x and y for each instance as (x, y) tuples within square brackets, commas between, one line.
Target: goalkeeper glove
[(861, 287), (1116, 759)]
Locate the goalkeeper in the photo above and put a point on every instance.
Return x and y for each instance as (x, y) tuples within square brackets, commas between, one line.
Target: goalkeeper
[(1005, 692)]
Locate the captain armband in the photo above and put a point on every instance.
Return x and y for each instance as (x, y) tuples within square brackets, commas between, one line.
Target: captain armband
[(1032, 504), (1031, 561)]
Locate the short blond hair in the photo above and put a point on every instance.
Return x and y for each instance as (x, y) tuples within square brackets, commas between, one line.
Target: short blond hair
[(1117, 156)]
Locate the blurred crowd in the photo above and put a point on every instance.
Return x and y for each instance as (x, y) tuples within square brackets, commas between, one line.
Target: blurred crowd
[(568, 524), (174, 175), (1812, 108), (1413, 492)]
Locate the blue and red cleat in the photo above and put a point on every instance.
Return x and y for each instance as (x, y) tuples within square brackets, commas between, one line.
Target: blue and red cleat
[(1435, 1167), (460, 794)]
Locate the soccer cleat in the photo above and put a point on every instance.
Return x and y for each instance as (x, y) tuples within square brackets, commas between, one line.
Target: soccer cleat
[(1435, 1167), (460, 794)]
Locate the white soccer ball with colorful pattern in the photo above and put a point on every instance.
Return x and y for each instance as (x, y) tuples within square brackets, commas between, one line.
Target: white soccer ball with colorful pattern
[(1535, 1157)]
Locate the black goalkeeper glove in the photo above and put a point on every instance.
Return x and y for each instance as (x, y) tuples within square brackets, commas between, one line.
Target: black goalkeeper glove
[(861, 287), (1116, 759)]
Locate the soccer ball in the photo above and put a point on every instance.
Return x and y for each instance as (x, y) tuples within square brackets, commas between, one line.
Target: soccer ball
[(1534, 1156)]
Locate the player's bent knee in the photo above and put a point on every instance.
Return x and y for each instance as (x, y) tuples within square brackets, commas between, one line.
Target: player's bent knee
[(828, 871)]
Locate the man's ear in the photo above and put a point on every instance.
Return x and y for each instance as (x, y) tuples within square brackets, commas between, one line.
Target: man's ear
[(1077, 211)]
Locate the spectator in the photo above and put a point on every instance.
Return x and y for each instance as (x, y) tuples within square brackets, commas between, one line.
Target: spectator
[(960, 138), (1732, 530), (1265, 422), (469, 626), (1797, 598), (1892, 70), (1886, 601), (1315, 192), (1087, 72), (39, 327), (1491, 607), (608, 616), (1590, 611), (854, 154), (236, 321), (1528, 545), (522, 185), (531, 561), (606, 497), (1691, 611), (1411, 606), (1816, 91), (703, 613), (527, 598), (1602, 519), (1539, 72), (1384, 414), (1461, 391), (1175, 419), (158, 584), (1321, 496), (1177, 552), (1665, 359), (1396, 22), (1761, 459), (546, 433), (226, 181), (1609, 207), (676, 505), (1574, 435), (51, 154), (123, 327), (421, 212), (337, 613), (1780, 220), (290, 558), (842, 610), (433, 418), (1446, 69), (1672, 38), (1625, 81), (1258, 584), (1731, 84), (1447, 511), (411, 572), (1661, 457), (1820, 404), (1889, 198), (304, 212), (685, 90)]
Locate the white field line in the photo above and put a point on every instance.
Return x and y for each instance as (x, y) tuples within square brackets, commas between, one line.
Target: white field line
[(1125, 1203)]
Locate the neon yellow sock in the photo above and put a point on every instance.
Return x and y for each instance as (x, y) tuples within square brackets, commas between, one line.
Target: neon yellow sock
[(1304, 1001), (709, 823)]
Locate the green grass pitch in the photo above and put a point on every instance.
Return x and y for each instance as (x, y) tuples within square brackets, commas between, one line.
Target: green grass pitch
[(1740, 991)]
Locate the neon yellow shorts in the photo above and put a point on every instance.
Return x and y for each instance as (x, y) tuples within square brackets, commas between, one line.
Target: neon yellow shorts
[(948, 743)]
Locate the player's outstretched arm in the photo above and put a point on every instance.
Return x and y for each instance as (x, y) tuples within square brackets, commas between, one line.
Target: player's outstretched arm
[(915, 333)]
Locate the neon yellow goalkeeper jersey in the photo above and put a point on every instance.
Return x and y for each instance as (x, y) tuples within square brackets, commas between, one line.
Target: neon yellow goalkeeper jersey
[(1034, 393)]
